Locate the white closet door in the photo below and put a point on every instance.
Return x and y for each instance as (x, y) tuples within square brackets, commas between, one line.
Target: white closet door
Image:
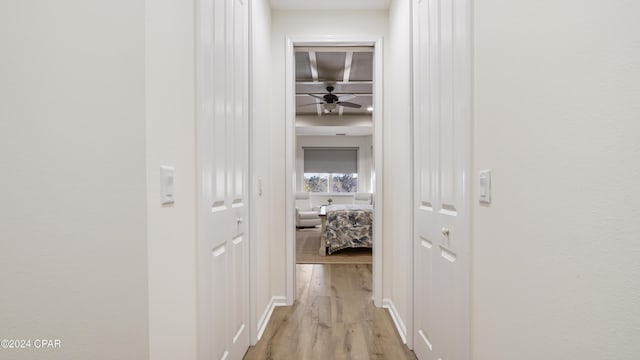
[(223, 249), (442, 170)]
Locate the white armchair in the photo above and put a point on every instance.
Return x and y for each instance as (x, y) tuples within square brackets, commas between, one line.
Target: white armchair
[(305, 215), (362, 199)]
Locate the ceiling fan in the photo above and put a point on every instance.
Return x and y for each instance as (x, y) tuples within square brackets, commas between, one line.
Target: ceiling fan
[(331, 101)]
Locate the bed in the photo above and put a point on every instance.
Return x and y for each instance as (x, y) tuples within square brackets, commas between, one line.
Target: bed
[(346, 226)]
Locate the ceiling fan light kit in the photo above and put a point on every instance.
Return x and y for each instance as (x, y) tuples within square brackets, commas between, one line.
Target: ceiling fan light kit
[(330, 106)]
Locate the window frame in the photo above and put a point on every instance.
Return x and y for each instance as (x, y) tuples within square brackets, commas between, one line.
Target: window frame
[(330, 182)]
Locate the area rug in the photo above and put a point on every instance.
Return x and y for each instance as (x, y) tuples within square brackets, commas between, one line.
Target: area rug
[(308, 242)]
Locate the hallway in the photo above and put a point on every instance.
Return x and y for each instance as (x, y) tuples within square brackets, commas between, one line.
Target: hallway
[(333, 318), (128, 233)]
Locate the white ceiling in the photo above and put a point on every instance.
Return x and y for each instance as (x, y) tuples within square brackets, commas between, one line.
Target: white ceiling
[(329, 4)]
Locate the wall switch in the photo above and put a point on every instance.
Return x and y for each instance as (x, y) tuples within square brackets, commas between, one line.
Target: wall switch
[(166, 185), (485, 187)]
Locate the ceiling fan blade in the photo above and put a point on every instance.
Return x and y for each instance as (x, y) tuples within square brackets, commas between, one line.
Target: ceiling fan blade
[(346, 97), (316, 96), (349, 104), (308, 104)]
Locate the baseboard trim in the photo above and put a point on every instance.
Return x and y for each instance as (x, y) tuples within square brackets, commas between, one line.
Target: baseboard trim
[(397, 320), (266, 315)]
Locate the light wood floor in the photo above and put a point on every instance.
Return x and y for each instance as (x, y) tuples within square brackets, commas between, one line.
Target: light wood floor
[(332, 318)]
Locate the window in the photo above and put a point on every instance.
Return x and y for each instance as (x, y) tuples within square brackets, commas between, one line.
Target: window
[(344, 182), (331, 169), (314, 182)]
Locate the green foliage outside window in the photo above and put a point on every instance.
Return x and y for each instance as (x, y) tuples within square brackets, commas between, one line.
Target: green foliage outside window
[(330, 182), (345, 183), (315, 183)]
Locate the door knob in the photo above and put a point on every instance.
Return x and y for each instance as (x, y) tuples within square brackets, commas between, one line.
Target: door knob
[(239, 220), (445, 231)]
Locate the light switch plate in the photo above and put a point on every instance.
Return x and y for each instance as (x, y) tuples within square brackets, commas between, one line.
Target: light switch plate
[(485, 187), (166, 185)]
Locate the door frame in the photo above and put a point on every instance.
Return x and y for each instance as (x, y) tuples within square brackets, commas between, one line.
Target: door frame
[(290, 137)]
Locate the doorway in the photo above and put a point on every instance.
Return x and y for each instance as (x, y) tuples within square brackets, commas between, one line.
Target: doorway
[(334, 107), (324, 101)]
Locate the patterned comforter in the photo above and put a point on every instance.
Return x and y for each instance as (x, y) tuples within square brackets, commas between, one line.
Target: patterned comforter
[(349, 226)]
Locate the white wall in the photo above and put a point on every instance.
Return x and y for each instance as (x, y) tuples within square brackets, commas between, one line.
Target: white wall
[(170, 141), (299, 23), (351, 125), (363, 143), (556, 270), (260, 152), (73, 243), (397, 163), (319, 199), (314, 122)]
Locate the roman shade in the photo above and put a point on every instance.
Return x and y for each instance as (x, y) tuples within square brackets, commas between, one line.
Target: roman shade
[(331, 160)]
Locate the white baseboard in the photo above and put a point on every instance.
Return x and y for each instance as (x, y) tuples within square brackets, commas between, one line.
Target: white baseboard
[(402, 329), (266, 315)]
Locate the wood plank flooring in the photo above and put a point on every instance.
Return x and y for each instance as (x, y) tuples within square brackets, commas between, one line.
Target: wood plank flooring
[(332, 318)]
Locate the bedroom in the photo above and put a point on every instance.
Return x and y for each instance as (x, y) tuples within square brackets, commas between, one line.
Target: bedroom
[(333, 154)]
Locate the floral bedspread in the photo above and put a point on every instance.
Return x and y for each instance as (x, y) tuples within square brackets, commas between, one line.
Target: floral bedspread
[(349, 226)]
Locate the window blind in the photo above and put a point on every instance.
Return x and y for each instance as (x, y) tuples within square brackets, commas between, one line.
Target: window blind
[(331, 160)]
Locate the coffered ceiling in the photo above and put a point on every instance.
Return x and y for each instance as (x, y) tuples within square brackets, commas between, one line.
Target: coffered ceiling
[(329, 4), (349, 70)]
